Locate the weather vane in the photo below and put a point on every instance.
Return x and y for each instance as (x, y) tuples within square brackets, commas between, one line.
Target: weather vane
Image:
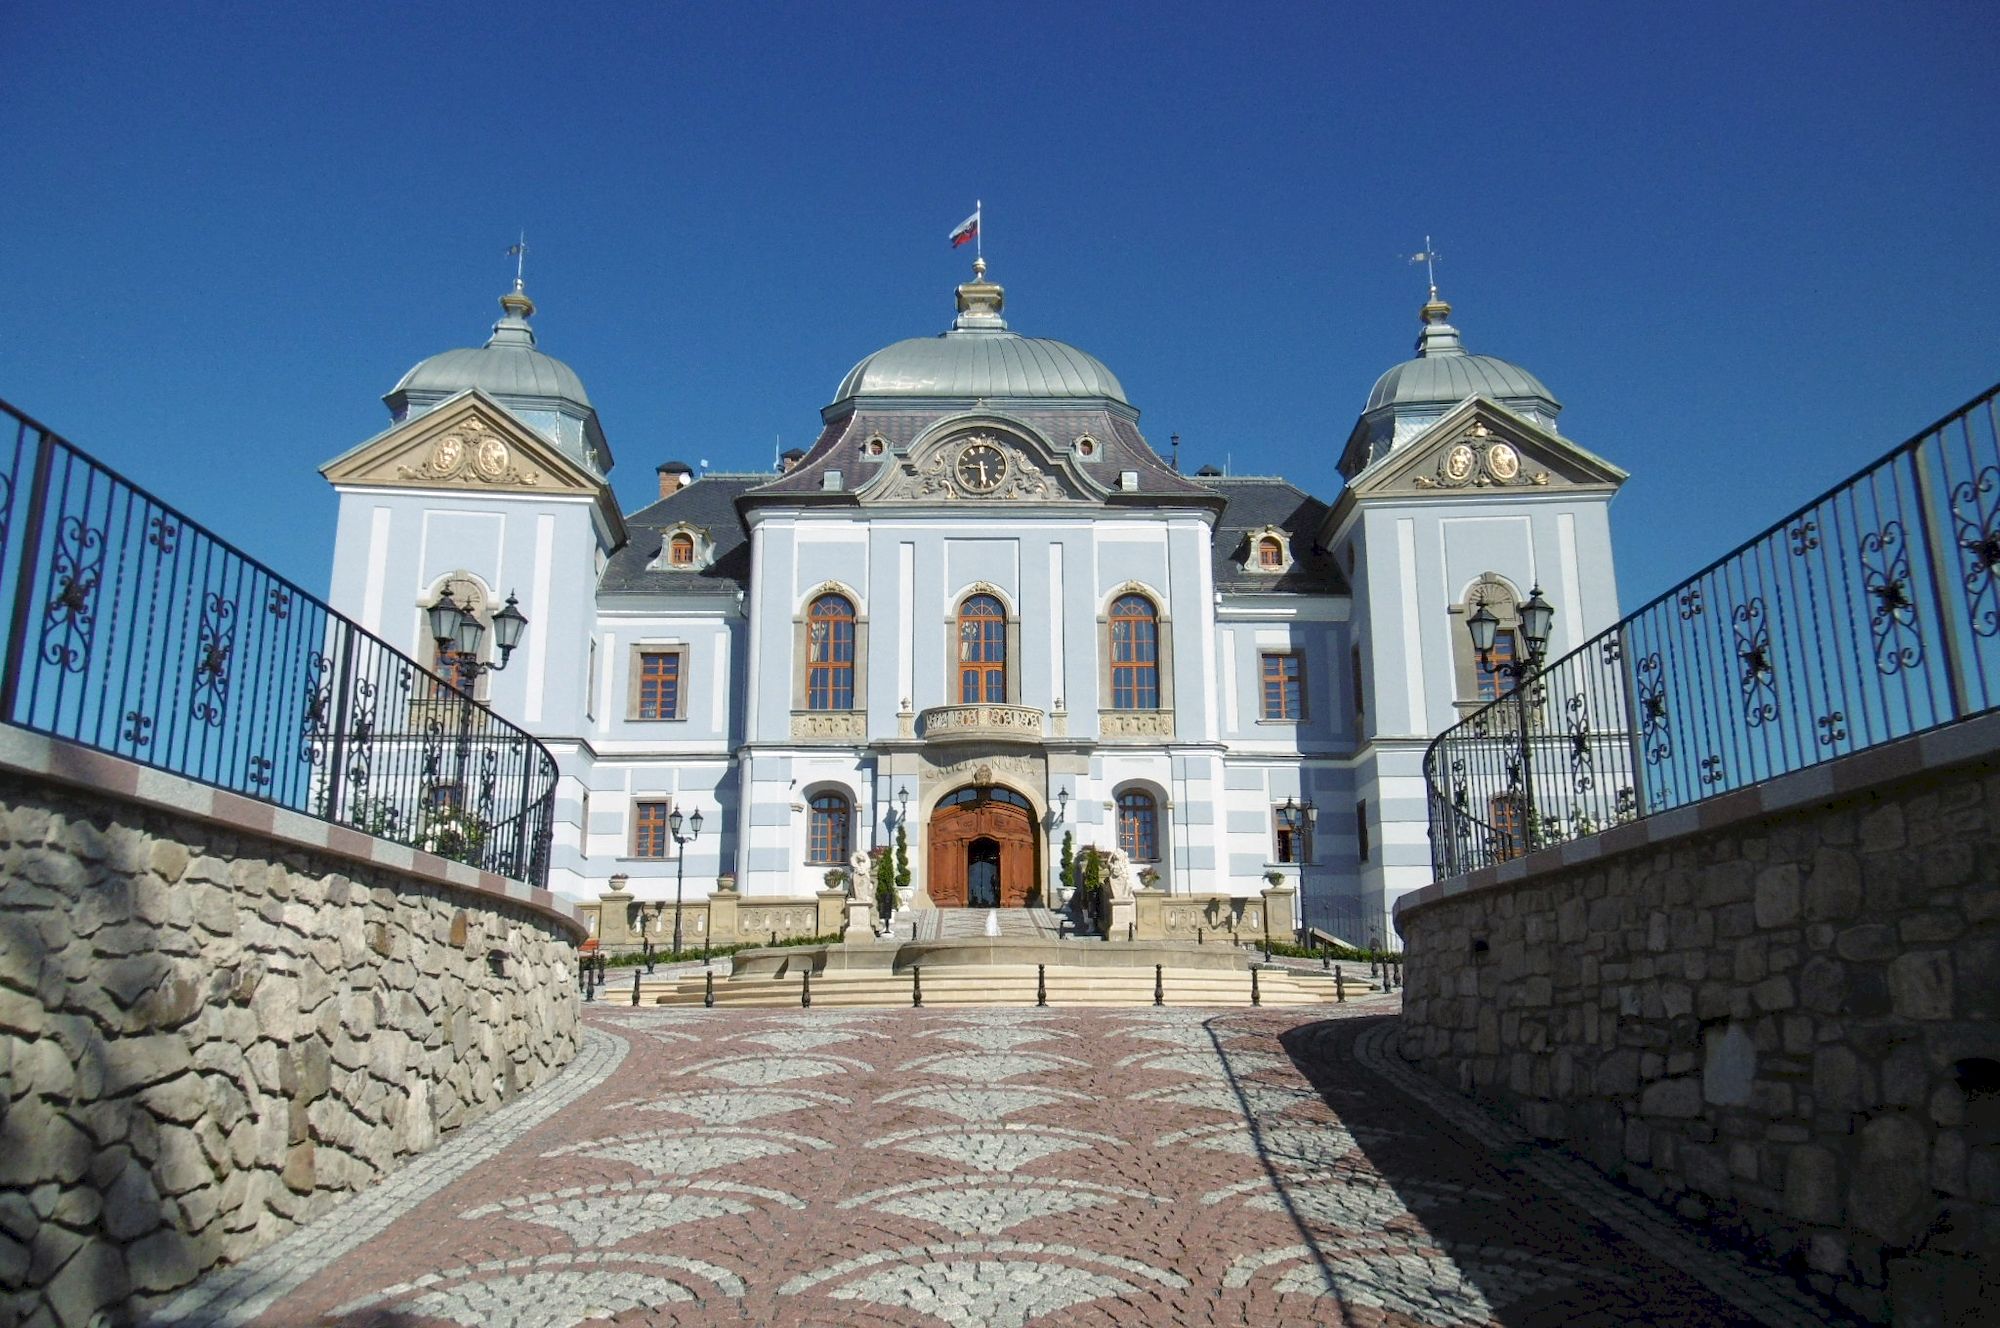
[(1429, 258)]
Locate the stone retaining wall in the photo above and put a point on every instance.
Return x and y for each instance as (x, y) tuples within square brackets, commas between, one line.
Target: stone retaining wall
[(210, 1034), (1785, 1023)]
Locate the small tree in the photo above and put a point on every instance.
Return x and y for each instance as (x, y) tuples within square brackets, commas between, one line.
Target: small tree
[(885, 883), (902, 857), (1069, 860), (1092, 889)]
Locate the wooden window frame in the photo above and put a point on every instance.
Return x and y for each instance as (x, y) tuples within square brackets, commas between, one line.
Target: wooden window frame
[(835, 854), (635, 680), (1143, 674), (680, 549), (994, 633), (1138, 825), (650, 829), (1286, 712)]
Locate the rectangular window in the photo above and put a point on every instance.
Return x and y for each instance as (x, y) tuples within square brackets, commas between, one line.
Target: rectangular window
[(1360, 698), (1491, 681), (1361, 828), (659, 684), (649, 830), (1284, 686), (1294, 836)]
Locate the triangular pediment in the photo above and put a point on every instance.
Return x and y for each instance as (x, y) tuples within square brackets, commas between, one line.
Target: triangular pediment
[(467, 442), (1479, 447), (984, 458)]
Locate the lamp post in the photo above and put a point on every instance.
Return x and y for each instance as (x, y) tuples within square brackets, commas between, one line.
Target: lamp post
[(1295, 816), (1062, 806), (457, 633), (674, 824), (1537, 617)]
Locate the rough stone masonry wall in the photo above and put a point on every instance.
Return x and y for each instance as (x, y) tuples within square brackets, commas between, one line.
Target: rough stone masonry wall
[(1788, 1027), (208, 1037)]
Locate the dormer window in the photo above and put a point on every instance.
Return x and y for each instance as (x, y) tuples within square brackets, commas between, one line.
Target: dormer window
[(1267, 550), (684, 548)]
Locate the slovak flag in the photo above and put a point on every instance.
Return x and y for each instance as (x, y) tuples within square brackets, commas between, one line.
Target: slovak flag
[(966, 230)]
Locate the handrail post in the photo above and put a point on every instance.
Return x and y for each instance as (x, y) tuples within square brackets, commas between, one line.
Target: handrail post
[(24, 579), (1955, 654)]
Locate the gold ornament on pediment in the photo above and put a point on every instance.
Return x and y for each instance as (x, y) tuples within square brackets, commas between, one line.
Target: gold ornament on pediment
[(470, 451), (1478, 461)]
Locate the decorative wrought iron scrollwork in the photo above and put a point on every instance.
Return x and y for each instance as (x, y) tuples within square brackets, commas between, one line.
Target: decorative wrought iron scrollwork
[(75, 573), (361, 740), (1582, 760), (1885, 572), (1612, 650), (1711, 770), (1975, 513), (1625, 805), (260, 771), (215, 639), (1690, 603), (489, 784), (278, 603), (162, 533), (1654, 739), (318, 704), (1832, 728), (1804, 537), (138, 728), (1759, 683)]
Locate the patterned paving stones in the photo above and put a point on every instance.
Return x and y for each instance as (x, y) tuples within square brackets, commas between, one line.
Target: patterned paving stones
[(995, 1169)]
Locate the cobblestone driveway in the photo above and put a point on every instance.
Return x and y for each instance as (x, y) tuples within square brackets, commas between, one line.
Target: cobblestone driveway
[(1153, 1166)]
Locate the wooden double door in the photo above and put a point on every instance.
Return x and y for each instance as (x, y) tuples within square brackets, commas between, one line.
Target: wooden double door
[(982, 854)]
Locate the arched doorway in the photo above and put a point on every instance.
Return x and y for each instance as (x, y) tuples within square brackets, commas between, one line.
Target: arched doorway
[(982, 849)]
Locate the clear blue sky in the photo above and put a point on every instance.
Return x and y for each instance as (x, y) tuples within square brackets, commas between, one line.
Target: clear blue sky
[(1750, 246)]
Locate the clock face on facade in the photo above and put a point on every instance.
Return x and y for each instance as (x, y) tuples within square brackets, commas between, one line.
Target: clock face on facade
[(980, 467)]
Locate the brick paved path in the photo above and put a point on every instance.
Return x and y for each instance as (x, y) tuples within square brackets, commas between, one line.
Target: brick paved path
[(967, 1167)]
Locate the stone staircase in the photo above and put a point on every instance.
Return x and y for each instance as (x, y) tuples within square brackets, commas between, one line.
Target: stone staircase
[(965, 924), (998, 985)]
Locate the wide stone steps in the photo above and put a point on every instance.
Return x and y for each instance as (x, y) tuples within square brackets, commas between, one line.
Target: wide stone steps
[(1010, 985)]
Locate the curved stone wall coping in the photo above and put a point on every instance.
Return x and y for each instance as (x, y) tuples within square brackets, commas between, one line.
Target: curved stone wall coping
[(41, 757), (1938, 749)]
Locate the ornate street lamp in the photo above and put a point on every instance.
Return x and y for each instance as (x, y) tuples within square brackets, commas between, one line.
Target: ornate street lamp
[(1062, 806), (674, 824), (1295, 817), (1537, 618), (902, 805), (458, 632)]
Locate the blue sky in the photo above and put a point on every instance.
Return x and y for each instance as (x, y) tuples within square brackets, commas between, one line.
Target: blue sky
[(1749, 246)]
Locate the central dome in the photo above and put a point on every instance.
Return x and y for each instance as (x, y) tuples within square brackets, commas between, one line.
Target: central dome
[(980, 358)]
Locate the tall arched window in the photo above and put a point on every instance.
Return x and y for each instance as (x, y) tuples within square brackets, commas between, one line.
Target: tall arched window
[(982, 650), (1139, 826), (830, 654), (680, 550), (1135, 654), (827, 821)]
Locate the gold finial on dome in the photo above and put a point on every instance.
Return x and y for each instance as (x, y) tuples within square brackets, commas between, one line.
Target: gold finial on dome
[(1435, 310), (980, 301), (517, 303)]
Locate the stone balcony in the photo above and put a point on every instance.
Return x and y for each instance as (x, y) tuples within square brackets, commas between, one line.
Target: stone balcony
[(961, 723)]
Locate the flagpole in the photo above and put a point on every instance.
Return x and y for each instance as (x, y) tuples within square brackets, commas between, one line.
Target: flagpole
[(978, 228)]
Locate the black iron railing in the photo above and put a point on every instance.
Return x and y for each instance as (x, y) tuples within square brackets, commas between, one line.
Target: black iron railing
[(135, 631), (1870, 614)]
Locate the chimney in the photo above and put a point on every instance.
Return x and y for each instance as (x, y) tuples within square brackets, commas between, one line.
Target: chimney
[(674, 476), (791, 458)]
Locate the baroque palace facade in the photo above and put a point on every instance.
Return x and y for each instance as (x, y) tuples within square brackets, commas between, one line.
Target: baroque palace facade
[(981, 606)]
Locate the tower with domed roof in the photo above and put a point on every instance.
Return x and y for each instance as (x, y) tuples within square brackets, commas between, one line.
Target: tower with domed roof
[(1461, 492)]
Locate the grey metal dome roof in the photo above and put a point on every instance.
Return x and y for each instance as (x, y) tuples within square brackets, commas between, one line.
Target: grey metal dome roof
[(508, 365), (980, 364), (1444, 373), (979, 357)]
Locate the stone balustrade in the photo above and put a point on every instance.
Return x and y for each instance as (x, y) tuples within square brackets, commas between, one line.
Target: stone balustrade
[(1004, 723)]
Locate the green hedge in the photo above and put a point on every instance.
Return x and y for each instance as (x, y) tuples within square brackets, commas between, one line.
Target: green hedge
[(629, 958)]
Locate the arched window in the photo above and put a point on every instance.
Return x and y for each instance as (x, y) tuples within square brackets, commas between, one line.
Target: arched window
[(827, 820), (1479, 683), (982, 650), (1270, 553), (1139, 826), (680, 550), (830, 654), (1135, 654)]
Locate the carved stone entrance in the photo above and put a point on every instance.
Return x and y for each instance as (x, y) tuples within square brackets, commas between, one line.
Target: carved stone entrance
[(982, 850)]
